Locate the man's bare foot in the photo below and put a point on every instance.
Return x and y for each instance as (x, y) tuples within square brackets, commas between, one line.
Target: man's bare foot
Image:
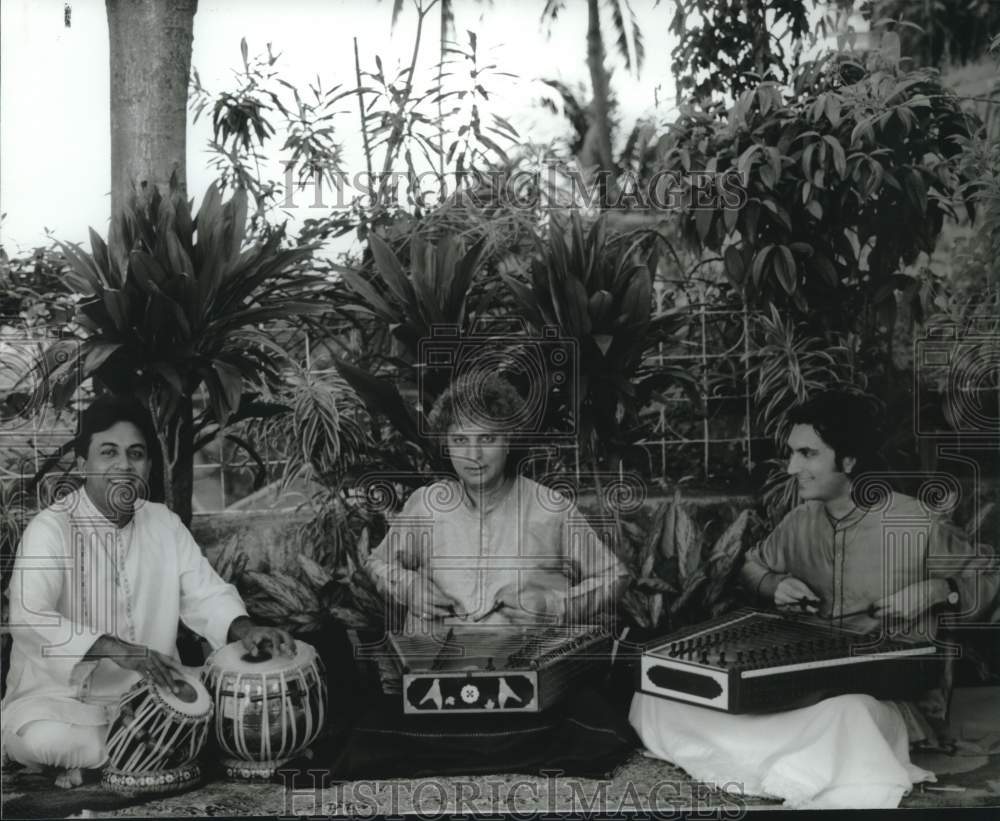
[(67, 779)]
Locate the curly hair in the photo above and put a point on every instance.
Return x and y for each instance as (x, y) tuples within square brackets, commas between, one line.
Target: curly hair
[(480, 398), (485, 399)]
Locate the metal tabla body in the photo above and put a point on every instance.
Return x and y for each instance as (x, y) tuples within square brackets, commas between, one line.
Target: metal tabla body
[(268, 708), (156, 736)]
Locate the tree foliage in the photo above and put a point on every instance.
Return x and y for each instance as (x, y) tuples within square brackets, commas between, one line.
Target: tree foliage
[(845, 183), (176, 304), (935, 32), (733, 44)]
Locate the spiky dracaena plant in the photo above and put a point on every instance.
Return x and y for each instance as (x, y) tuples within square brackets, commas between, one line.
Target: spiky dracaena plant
[(596, 289), (175, 304)]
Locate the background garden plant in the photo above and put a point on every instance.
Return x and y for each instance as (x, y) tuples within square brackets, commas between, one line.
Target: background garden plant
[(854, 168)]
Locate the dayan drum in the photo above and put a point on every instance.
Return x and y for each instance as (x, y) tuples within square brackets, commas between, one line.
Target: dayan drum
[(268, 708), (156, 736)]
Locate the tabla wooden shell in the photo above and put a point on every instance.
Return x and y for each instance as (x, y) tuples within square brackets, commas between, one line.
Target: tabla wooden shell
[(155, 737), (267, 709)]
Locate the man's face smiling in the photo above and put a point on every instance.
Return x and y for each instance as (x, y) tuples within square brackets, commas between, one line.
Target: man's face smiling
[(115, 469), (813, 463)]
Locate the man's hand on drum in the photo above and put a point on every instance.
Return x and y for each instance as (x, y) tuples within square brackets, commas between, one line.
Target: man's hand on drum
[(793, 593), (150, 664), (426, 600), (257, 638)]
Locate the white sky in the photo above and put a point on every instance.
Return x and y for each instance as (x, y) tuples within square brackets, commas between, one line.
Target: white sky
[(54, 122)]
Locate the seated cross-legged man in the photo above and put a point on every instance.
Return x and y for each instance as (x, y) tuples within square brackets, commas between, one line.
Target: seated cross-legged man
[(100, 581), (486, 559), (832, 556)]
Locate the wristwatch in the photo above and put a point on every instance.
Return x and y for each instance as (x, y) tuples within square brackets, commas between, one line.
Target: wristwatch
[(953, 598)]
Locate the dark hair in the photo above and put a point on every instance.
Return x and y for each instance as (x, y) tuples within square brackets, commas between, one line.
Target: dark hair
[(483, 399), (105, 412), (847, 422)]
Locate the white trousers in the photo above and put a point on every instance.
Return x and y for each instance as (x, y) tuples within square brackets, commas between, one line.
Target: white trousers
[(57, 744), (847, 752)]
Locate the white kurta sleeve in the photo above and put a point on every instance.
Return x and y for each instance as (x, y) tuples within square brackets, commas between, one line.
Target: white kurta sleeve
[(401, 555), (54, 641), (600, 576), (208, 604)]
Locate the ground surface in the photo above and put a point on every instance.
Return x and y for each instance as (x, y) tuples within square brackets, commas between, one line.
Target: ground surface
[(969, 778)]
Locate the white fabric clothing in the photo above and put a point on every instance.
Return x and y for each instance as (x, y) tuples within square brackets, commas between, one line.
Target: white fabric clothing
[(78, 576), (533, 533), (846, 752), (57, 744)]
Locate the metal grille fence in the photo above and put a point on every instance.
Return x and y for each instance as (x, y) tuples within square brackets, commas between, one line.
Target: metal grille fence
[(710, 438), (702, 439)]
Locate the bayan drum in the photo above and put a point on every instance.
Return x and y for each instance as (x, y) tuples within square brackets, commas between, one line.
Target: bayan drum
[(268, 707), (156, 736)]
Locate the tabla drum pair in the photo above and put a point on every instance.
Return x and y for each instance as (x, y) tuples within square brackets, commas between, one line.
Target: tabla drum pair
[(156, 737), (268, 707)]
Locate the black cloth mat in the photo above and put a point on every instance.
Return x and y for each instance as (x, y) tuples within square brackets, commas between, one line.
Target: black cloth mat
[(586, 736)]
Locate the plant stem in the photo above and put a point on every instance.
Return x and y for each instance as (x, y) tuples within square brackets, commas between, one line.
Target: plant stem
[(396, 137), (361, 112)]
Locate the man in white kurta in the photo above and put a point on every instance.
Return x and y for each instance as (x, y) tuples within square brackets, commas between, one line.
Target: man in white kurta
[(77, 576), (100, 581)]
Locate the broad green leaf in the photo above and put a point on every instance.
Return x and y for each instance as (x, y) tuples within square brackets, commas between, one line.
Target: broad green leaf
[(461, 282), (389, 267), (383, 397), (87, 279), (231, 382), (784, 267), (839, 159), (599, 307), (97, 354), (117, 304), (237, 226), (637, 302), (99, 253), (358, 284), (760, 259), (170, 375), (734, 265)]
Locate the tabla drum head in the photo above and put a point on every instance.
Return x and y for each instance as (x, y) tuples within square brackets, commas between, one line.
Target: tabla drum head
[(234, 658), (191, 698)]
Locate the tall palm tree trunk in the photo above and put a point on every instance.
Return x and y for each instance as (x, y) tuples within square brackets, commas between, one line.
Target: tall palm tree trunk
[(599, 84), (150, 63), (150, 43)]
